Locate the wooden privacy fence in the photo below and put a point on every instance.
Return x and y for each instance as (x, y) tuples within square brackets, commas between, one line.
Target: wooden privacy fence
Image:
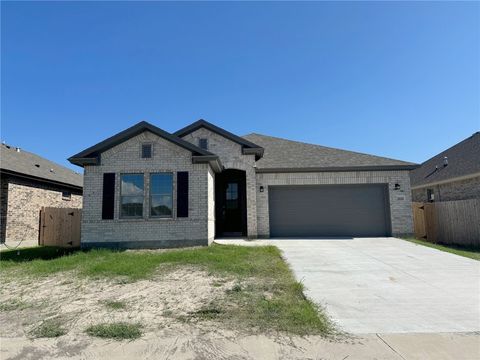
[(59, 227), (448, 222)]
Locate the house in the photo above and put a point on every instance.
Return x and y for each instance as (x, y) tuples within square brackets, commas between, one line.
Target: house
[(453, 174), (147, 188), (28, 183)]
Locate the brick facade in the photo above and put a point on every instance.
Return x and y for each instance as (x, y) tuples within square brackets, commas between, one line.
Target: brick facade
[(147, 231), (455, 190), (22, 200), (199, 227), (231, 156)]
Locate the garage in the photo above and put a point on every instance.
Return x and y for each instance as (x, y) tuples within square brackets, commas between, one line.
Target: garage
[(359, 210)]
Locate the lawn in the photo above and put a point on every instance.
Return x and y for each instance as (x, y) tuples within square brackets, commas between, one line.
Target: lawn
[(252, 288), (469, 252)]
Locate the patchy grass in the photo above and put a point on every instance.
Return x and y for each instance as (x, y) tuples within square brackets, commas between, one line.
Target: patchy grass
[(469, 252), (14, 304), (115, 305), (117, 331), (34, 253), (207, 313), (265, 296), (134, 265), (49, 329)]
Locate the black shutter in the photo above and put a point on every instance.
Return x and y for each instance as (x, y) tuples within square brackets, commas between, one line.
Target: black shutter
[(108, 198), (182, 194)]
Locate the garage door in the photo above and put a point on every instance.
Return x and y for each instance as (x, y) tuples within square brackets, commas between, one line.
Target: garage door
[(329, 210)]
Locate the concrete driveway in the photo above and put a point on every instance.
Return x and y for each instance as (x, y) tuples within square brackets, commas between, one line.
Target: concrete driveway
[(387, 285)]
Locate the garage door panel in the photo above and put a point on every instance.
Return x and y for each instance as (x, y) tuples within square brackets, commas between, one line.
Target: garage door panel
[(328, 210)]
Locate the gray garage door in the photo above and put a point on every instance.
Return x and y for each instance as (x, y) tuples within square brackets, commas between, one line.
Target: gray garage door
[(329, 210)]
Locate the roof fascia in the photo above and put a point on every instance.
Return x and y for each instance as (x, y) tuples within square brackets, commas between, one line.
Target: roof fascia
[(338, 169), (92, 152), (446, 181), (226, 134), (40, 179)]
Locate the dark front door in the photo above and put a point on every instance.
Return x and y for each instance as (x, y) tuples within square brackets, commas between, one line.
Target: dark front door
[(230, 203)]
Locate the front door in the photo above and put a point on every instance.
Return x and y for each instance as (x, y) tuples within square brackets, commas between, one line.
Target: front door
[(232, 212), (230, 203)]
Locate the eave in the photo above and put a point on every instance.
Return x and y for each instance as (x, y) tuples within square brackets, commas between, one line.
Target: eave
[(338, 169)]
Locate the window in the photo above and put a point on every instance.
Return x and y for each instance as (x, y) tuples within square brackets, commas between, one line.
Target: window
[(232, 196), (66, 195), (203, 144), (161, 189), (146, 151), (131, 194), (430, 195)]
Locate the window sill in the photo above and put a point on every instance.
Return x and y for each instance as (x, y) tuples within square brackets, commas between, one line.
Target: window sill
[(134, 219), (149, 219)]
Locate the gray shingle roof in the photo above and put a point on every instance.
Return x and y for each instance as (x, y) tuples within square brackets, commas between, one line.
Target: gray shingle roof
[(463, 159), (29, 164), (287, 154)]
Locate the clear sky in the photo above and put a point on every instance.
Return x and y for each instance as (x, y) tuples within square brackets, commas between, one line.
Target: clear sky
[(399, 80)]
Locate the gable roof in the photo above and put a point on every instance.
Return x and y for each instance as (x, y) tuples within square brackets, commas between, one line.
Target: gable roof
[(463, 160), (294, 156), (248, 147), (26, 164), (91, 154)]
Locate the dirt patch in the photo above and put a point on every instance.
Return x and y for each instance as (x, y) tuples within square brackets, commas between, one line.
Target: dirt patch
[(156, 303)]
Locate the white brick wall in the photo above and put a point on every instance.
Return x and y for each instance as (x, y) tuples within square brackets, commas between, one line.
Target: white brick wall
[(200, 225), (230, 154), (125, 158), (401, 212)]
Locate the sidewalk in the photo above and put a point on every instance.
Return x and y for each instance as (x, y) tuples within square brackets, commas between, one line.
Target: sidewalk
[(168, 345)]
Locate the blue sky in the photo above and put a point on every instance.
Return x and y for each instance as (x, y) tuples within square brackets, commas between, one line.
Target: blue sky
[(399, 80)]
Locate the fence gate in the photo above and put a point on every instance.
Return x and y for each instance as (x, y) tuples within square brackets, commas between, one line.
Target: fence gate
[(448, 222), (59, 227)]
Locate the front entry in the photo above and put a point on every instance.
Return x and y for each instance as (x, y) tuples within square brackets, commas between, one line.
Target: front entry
[(230, 203)]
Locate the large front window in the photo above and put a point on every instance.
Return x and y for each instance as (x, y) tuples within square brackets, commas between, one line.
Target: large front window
[(131, 196), (161, 198)]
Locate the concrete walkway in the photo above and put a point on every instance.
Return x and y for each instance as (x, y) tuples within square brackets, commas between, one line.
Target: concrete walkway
[(386, 285)]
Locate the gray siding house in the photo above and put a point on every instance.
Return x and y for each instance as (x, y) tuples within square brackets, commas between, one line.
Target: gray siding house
[(453, 174), (147, 188)]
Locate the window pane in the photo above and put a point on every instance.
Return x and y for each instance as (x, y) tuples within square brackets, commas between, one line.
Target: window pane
[(132, 184), (132, 206), (161, 199), (146, 151), (161, 184), (232, 191), (203, 144), (161, 205)]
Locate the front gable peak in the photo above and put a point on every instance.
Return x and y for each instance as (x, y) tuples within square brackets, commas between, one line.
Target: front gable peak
[(91, 155), (248, 148)]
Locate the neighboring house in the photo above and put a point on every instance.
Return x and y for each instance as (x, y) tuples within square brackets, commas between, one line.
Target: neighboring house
[(147, 188), (28, 183), (454, 174)]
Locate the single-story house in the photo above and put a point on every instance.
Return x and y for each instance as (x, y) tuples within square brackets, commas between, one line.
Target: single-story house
[(28, 183), (453, 174), (147, 188)]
